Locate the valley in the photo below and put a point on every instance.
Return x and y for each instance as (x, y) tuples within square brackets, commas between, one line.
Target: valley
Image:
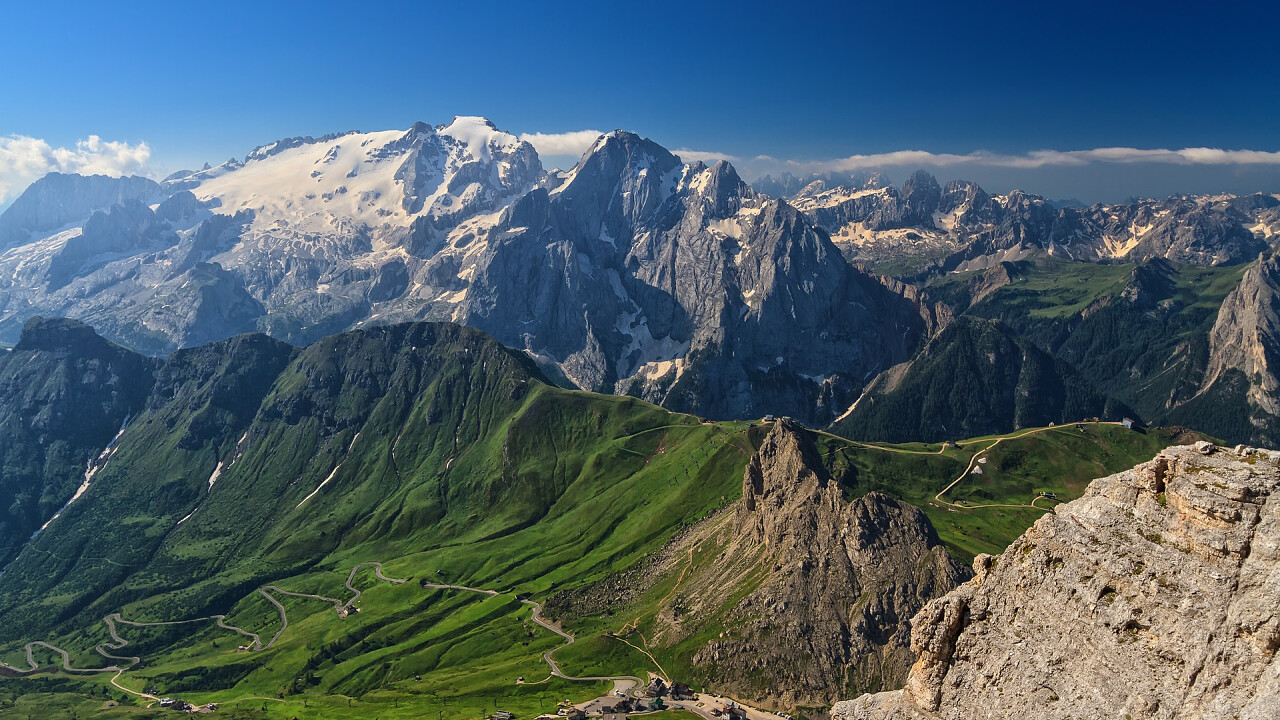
[(410, 444), (679, 361)]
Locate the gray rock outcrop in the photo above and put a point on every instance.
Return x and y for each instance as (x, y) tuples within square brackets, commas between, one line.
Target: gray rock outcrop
[(829, 585), (1153, 596), (1246, 335), (58, 200)]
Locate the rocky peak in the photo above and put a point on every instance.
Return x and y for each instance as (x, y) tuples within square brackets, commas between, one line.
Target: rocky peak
[(846, 577), (1246, 335), (57, 200), (1152, 596), (922, 193), (790, 503), (784, 476), (1254, 202), (1150, 283), (723, 190), (962, 194), (622, 172), (58, 335), (466, 167)]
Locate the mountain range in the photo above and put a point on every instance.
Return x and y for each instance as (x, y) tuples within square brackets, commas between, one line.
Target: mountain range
[(679, 283)]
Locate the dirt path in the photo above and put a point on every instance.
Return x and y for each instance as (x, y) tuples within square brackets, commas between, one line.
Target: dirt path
[(981, 453), (547, 656), (119, 643)]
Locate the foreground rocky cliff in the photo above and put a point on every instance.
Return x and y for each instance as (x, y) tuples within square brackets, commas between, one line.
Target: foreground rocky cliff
[(1153, 596)]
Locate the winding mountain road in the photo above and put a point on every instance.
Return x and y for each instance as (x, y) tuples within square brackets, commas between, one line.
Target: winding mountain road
[(284, 616), (117, 642), (337, 604), (621, 682), (973, 460)]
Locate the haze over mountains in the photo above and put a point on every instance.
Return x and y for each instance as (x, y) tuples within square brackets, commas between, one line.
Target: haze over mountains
[(633, 272)]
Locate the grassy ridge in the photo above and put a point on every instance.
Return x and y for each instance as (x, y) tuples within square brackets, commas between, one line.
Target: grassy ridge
[(446, 457), (428, 447)]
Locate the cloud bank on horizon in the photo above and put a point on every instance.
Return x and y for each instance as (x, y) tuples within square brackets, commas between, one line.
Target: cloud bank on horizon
[(24, 159), (577, 142)]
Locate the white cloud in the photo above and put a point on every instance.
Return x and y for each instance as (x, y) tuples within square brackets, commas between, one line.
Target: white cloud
[(568, 143), (1043, 158), (24, 159), (578, 142)]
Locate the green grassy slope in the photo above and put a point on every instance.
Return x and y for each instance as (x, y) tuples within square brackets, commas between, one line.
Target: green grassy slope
[(428, 447), (66, 394), (1060, 460), (446, 457)]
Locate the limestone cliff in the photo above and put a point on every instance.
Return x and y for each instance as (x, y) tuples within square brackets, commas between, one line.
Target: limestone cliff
[(1246, 336), (821, 589), (1153, 596)]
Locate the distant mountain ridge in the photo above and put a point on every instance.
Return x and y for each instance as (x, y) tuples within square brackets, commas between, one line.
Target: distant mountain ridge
[(632, 272), (925, 227), (58, 200)]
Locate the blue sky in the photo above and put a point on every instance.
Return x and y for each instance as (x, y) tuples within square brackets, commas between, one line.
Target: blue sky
[(977, 86)]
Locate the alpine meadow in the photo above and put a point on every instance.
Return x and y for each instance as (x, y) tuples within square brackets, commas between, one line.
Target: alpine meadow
[(884, 364)]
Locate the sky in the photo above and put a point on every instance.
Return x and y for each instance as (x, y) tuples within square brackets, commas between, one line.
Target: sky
[(1092, 101)]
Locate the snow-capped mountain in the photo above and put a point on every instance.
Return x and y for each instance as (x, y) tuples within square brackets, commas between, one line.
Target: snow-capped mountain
[(303, 237), (632, 272)]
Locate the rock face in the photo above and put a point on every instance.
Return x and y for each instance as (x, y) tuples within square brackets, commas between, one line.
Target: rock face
[(57, 200), (638, 274), (840, 581), (1246, 336), (1153, 596), (960, 226)]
